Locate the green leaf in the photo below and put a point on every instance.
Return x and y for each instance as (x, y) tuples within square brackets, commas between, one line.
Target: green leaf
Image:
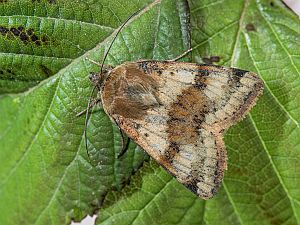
[(46, 176)]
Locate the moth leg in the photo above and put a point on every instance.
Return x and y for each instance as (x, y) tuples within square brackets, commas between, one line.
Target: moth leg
[(106, 67), (125, 142), (180, 56), (92, 61), (92, 104)]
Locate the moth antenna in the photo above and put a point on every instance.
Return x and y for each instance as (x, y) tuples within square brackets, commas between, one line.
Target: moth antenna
[(115, 37), (100, 80)]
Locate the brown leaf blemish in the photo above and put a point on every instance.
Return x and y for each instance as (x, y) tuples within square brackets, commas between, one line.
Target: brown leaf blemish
[(10, 74), (25, 35), (15, 31), (34, 38), (44, 39), (3, 30), (49, 1), (211, 59), (250, 27)]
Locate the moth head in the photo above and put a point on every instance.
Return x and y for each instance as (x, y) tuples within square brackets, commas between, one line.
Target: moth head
[(98, 78)]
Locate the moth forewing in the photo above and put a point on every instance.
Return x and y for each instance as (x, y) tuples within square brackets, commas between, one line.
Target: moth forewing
[(177, 113)]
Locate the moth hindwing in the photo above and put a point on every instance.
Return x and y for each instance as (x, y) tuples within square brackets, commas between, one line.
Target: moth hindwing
[(177, 113)]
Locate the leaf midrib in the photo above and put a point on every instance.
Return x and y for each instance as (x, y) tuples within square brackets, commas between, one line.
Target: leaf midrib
[(275, 169), (60, 182)]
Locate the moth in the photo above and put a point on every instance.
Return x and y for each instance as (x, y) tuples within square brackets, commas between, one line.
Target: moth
[(177, 112)]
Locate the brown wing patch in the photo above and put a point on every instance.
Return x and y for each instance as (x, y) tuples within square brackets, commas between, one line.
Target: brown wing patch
[(186, 115)]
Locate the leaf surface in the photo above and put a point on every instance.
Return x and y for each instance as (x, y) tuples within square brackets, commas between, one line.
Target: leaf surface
[(45, 174)]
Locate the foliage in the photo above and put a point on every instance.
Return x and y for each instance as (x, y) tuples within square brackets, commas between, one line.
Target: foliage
[(45, 174)]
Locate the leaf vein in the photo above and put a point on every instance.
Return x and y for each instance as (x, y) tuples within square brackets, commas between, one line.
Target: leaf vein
[(268, 88), (34, 138), (152, 199), (275, 169), (232, 203), (279, 41)]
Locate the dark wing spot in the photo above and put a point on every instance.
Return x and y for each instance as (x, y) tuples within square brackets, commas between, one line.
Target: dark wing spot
[(144, 66), (171, 151), (200, 85), (200, 79), (238, 72), (192, 186), (202, 72)]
